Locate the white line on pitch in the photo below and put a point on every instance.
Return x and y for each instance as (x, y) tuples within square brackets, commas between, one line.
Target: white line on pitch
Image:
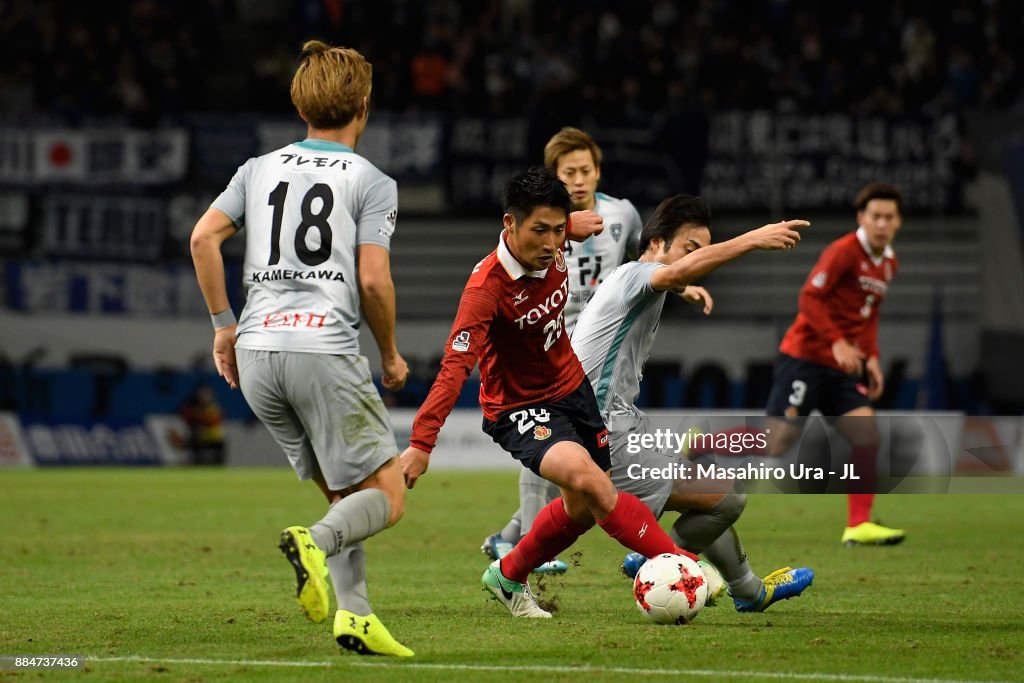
[(537, 668)]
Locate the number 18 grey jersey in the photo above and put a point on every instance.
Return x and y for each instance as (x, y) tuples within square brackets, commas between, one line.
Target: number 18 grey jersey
[(305, 208)]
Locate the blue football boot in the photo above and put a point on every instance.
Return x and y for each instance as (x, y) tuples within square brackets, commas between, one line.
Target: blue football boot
[(631, 564), (781, 584), (496, 547)]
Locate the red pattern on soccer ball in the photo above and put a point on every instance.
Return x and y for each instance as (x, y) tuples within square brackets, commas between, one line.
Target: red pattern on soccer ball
[(687, 585), (640, 591)]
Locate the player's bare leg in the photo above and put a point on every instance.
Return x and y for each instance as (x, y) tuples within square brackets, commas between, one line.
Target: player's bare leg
[(708, 512), (588, 497), (861, 430)]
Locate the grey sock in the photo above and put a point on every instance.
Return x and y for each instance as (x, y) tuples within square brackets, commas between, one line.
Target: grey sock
[(728, 556), (352, 519), (534, 493), (696, 530), (513, 530), (348, 574), (712, 534)]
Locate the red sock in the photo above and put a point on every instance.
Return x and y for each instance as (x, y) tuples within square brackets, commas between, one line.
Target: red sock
[(861, 492), (858, 508), (633, 525), (552, 532)]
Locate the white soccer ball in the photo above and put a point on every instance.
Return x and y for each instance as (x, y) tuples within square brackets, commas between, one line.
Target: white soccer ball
[(670, 589)]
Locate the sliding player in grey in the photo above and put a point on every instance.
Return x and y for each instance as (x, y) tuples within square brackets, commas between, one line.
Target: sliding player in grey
[(318, 220), (613, 339)]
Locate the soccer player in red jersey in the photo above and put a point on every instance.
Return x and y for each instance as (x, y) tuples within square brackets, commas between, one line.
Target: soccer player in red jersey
[(833, 342), (536, 399), (576, 158)]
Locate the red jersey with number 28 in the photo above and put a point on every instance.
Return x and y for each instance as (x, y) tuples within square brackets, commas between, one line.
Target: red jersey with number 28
[(512, 321), (840, 300)]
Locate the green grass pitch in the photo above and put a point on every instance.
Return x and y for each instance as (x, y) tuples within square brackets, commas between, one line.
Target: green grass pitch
[(175, 575)]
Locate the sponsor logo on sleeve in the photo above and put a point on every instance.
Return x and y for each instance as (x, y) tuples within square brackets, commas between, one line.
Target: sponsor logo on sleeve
[(461, 342), (388, 229), (820, 279)]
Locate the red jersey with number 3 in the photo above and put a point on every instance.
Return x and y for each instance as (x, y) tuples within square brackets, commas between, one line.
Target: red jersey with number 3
[(840, 300), (512, 321)]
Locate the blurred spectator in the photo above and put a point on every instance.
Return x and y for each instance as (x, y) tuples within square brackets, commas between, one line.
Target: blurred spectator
[(429, 70), (205, 420)]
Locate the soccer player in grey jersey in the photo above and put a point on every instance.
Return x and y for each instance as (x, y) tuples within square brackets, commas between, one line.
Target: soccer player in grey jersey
[(318, 222), (613, 339), (574, 156)]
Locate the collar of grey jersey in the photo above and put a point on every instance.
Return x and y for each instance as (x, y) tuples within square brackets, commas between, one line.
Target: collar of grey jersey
[(862, 237), (323, 145), (512, 266)]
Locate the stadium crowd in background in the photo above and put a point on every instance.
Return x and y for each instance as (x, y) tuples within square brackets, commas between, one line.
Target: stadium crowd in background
[(638, 62)]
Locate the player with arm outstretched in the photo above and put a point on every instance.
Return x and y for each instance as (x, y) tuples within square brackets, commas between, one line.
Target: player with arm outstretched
[(536, 399), (613, 339), (574, 156), (318, 222)]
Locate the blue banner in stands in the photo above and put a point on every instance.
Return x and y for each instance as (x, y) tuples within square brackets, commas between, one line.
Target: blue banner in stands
[(57, 444), (129, 289)]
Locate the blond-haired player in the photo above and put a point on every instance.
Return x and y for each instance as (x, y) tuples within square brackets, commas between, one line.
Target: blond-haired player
[(318, 222)]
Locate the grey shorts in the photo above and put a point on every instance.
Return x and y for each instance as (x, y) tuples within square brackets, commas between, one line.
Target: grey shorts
[(323, 410), (652, 492)]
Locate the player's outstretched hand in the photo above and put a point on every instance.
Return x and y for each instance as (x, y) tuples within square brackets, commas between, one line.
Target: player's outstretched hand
[(224, 355), (584, 224), (782, 235), (396, 372), (848, 357), (698, 296), (414, 464)]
